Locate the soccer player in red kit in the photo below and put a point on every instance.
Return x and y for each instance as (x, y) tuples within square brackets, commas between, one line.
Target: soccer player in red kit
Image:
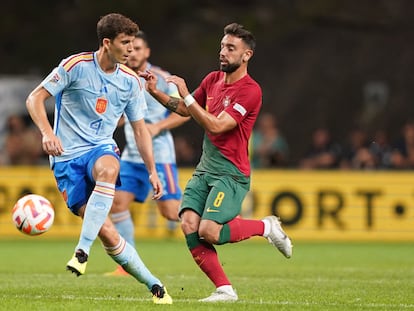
[(226, 105)]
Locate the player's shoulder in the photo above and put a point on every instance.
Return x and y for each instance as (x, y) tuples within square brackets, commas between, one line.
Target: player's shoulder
[(252, 84), (129, 73), (213, 77), (159, 71), (250, 79), (77, 60)]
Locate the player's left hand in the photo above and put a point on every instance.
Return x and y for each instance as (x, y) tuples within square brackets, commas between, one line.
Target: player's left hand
[(156, 186)]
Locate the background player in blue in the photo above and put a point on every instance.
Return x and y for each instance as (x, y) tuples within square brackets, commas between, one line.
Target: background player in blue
[(134, 176), (92, 92)]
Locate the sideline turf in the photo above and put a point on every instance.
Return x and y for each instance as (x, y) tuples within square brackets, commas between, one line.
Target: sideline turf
[(319, 276)]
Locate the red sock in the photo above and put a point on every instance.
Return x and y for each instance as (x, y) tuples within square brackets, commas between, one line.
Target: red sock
[(206, 258), (242, 229)]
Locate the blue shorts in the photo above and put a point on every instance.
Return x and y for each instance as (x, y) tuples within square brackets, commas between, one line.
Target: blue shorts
[(74, 177), (135, 179)]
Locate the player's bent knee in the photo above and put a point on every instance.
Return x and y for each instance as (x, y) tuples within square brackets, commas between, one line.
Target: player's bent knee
[(190, 221), (188, 227), (118, 207), (209, 230), (169, 209), (107, 173), (106, 169), (208, 238), (170, 215), (209, 235)]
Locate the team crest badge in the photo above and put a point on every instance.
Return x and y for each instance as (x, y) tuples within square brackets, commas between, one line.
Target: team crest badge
[(226, 101), (101, 104), (55, 78)]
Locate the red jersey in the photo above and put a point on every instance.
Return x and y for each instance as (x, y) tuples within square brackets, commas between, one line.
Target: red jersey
[(242, 101)]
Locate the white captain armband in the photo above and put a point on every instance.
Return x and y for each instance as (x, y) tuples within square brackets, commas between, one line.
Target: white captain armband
[(189, 100)]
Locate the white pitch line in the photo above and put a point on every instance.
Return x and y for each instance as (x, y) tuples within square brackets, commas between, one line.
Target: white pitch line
[(242, 301)]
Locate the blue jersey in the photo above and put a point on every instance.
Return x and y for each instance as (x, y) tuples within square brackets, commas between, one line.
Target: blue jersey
[(163, 143), (89, 102)]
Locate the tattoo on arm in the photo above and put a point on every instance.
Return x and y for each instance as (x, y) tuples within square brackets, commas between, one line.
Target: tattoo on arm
[(172, 103)]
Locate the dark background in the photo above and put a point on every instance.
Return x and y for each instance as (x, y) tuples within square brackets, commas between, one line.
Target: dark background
[(334, 63)]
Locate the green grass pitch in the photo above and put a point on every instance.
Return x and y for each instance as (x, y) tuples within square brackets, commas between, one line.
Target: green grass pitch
[(319, 276)]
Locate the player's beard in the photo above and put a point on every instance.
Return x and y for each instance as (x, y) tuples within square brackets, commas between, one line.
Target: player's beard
[(134, 68), (133, 64), (136, 65), (229, 68)]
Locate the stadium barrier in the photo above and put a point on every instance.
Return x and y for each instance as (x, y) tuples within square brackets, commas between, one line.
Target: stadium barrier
[(313, 205)]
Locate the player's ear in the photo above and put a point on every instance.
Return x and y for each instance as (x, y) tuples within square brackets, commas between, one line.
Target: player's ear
[(247, 55), (105, 42)]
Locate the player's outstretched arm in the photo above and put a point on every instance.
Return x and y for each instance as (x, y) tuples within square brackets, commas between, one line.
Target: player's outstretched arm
[(173, 104), (211, 123), (172, 121), (188, 106)]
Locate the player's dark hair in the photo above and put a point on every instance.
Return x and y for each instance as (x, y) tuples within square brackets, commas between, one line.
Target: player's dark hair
[(141, 35), (113, 24), (239, 31)]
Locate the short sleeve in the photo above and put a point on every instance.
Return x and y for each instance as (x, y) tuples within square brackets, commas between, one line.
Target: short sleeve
[(56, 81), (247, 100)]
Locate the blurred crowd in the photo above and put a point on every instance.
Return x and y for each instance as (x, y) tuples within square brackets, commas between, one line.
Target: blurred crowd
[(360, 151), (269, 148), (22, 143)]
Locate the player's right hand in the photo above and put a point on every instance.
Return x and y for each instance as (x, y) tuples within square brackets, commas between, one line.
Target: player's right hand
[(52, 145), (151, 80), (180, 83)]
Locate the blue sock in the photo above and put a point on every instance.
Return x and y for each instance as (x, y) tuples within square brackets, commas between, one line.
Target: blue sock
[(123, 223), (96, 211), (126, 256)]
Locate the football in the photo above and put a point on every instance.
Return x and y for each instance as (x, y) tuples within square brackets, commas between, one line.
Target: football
[(33, 214)]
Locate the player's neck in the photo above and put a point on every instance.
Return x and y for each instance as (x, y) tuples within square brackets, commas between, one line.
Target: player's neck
[(105, 62), (143, 67), (235, 76)]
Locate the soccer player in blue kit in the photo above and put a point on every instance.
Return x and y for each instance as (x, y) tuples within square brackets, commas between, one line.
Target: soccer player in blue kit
[(93, 90), (134, 176)]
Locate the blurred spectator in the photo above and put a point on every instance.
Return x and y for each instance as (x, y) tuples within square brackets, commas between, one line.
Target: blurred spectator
[(382, 149), (323, 153), (3, 157), (269, 147), (402, 155), (23, 142), (185, 153), (357, 153)]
